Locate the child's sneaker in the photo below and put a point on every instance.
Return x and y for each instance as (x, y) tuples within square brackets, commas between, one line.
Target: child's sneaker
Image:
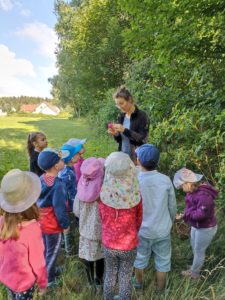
[(188, 273), (137, 285), (59, 270), (53, 284), (99, 289)]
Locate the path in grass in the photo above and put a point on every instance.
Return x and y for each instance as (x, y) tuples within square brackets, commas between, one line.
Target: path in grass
[(14, 131)]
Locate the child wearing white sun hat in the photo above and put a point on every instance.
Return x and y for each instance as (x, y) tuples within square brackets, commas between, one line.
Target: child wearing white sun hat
[(121, 215), (22, 263)]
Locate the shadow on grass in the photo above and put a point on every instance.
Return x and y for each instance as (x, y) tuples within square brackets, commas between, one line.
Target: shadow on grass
[(9, 135)]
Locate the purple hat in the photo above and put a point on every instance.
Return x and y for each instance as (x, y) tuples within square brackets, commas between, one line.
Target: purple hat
[(90, 183)]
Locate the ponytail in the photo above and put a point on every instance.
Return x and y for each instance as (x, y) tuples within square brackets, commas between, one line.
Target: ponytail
[(30, 140), (123, 92)]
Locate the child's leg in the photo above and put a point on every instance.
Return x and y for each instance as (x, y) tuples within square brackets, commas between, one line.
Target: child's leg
[(193, 232), (203, 238), (99, 271), (126, 261), (111, 270), (52, 243), (161, 280), (162, 257), (68, 243), (90, 271), (142, 259), (26, 295), (139, 275)]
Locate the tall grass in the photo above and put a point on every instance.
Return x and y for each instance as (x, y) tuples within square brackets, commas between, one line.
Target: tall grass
[(73, 282)]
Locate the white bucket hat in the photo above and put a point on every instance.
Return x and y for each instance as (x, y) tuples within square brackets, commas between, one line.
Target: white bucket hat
[(19, 191), (184, 175), (120, 187)]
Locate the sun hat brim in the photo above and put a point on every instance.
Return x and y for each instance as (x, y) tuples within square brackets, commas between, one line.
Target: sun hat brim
[(35, 190), (178, 181), (74, 142)]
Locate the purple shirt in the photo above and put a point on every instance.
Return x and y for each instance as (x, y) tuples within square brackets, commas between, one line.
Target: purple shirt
[(200, 207)]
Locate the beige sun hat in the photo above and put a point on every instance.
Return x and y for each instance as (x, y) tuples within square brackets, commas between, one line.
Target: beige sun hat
[(185, 175), (19, 190)]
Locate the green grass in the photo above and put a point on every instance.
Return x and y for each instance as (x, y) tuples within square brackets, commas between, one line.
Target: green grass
[(15, 129), (73, 285)]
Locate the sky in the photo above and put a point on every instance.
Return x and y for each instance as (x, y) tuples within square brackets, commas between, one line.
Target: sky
[(27, 46)]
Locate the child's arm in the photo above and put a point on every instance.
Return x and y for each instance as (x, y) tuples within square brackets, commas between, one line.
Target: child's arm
[(36, 257), (139, 214), (202, 210), (172, 204), (59, 205), (76, 207)]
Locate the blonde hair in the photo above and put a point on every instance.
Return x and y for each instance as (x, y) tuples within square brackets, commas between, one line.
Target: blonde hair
[(194, 186), (12, 222)]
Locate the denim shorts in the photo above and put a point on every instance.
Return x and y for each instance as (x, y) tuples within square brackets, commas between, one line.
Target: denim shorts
[(159, 248)]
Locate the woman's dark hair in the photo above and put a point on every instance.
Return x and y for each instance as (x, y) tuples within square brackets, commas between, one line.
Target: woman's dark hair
[(32, 137), (123, 92)]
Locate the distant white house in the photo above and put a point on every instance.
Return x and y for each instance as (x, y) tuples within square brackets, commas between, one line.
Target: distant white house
[(2, 114), (42, 108)]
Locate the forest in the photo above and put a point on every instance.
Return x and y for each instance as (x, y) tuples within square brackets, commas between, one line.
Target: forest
[(171, 56)]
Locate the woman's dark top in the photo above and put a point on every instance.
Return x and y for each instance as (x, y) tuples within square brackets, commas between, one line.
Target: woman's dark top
[(138, 132), (34, 165)]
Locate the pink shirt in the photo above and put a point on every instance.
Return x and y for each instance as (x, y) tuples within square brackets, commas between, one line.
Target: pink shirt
[(77, 167), (120, 226), (22, 261)]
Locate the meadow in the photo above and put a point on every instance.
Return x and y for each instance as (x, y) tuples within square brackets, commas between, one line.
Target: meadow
[(73, 283)]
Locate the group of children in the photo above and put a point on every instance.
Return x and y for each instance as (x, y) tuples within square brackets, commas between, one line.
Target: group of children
[(125, 213)]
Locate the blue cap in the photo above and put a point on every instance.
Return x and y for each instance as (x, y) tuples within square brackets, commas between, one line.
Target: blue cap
[(72, 151), (148, 155), (49, 157)]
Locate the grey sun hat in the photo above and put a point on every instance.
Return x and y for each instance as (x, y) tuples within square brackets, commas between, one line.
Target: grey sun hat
[(185, 175), (118, 164), (74, 142), (19, 190)]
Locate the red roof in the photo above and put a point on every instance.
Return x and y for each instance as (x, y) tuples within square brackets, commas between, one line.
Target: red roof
[(29, 107)]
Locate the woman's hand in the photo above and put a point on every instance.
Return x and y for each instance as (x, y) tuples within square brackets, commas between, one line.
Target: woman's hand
[(118, 127), (112, 132)]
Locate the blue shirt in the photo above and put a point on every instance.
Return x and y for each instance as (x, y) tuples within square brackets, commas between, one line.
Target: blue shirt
[(125, 140), (55, 196), (159, 204), (68, 176)]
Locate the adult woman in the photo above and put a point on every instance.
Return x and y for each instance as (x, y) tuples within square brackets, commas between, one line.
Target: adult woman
[(132, 127)]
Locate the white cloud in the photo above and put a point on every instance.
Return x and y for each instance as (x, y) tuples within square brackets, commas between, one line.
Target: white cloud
[(43, 36), (12, 66), (12, 73), (25, 12), (6, 5)]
